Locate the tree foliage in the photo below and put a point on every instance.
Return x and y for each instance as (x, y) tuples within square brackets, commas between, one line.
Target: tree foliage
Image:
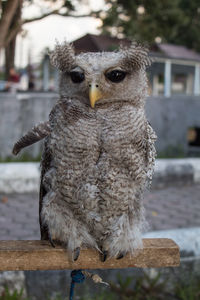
[(172, 21), (11, 20)]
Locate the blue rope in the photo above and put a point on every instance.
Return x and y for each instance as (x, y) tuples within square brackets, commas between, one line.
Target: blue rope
[(77, 277)]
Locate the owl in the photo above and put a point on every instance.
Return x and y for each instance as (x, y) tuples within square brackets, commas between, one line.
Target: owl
[(98, 154)]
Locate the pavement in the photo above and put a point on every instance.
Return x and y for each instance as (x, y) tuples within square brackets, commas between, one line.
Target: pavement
[(166, 208)]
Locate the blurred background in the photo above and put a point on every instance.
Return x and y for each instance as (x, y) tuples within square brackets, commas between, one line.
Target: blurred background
[(29, 89)]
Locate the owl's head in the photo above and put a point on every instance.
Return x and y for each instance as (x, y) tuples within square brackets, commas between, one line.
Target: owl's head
[(97, 78)]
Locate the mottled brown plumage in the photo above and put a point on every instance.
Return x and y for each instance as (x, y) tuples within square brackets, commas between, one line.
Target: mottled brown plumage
[(36, 134), (97, 161)]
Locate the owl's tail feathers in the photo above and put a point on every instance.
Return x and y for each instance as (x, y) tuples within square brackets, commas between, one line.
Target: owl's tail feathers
[(37, 133)]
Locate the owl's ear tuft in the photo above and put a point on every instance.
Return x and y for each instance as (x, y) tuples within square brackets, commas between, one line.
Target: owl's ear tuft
[(136, 56), (63, 56)]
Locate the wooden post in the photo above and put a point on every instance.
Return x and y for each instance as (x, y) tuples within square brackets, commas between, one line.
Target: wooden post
[(167, 79), (40, 255), (46, 73), (197, 80), (56, 80), (155, 85)]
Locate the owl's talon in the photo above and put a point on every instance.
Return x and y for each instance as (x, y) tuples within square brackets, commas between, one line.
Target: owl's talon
[(51, 241), (76, 253), (104, 255), (121, 255)]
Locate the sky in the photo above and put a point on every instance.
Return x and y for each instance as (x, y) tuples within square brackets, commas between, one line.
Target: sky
[(43, 33)]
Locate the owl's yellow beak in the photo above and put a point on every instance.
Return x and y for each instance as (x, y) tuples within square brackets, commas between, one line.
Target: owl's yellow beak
[(94, 94)]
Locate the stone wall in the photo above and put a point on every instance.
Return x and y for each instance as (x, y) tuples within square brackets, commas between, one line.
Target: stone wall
[(170, 118), (18, 114)]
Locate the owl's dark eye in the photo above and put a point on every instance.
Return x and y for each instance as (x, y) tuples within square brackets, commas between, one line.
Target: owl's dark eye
[(116, 75), (77, 77)]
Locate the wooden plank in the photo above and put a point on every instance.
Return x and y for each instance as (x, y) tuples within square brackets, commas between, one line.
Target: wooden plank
[(40, 255)]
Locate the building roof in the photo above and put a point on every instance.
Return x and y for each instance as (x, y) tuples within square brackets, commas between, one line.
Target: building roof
[(175, 52), (95, 43)]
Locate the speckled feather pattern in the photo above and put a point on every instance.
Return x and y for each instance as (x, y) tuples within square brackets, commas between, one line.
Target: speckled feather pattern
[(37, 133), (99, 168), (97, 161)]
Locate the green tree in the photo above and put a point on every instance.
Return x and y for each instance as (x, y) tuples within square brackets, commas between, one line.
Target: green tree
[(172, 21)]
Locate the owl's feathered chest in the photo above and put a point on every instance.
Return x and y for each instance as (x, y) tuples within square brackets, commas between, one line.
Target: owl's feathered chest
[(84, 133), (96, 158), (97, 152), (98, 162)]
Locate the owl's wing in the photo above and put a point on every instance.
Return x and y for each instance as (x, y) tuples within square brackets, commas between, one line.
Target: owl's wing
[(150, 151), (45, 165), (37, 133)]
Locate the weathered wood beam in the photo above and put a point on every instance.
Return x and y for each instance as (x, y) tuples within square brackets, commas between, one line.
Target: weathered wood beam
[(40, 255)]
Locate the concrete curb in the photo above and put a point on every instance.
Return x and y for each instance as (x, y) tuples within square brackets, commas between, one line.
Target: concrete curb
[(19, 177), (25, 177), (170, 172)]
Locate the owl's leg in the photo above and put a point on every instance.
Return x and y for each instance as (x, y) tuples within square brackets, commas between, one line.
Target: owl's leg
[(121, 255), (76, 253), (104, 255), (64, 227), (45, 234), (122, 237), (51, 240)]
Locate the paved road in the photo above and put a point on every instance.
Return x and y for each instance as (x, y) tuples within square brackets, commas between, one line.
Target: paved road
[(168, 208)]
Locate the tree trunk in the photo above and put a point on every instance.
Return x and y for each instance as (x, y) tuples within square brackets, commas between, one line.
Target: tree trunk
[(8, 11), (10, 57), (11, 40)]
